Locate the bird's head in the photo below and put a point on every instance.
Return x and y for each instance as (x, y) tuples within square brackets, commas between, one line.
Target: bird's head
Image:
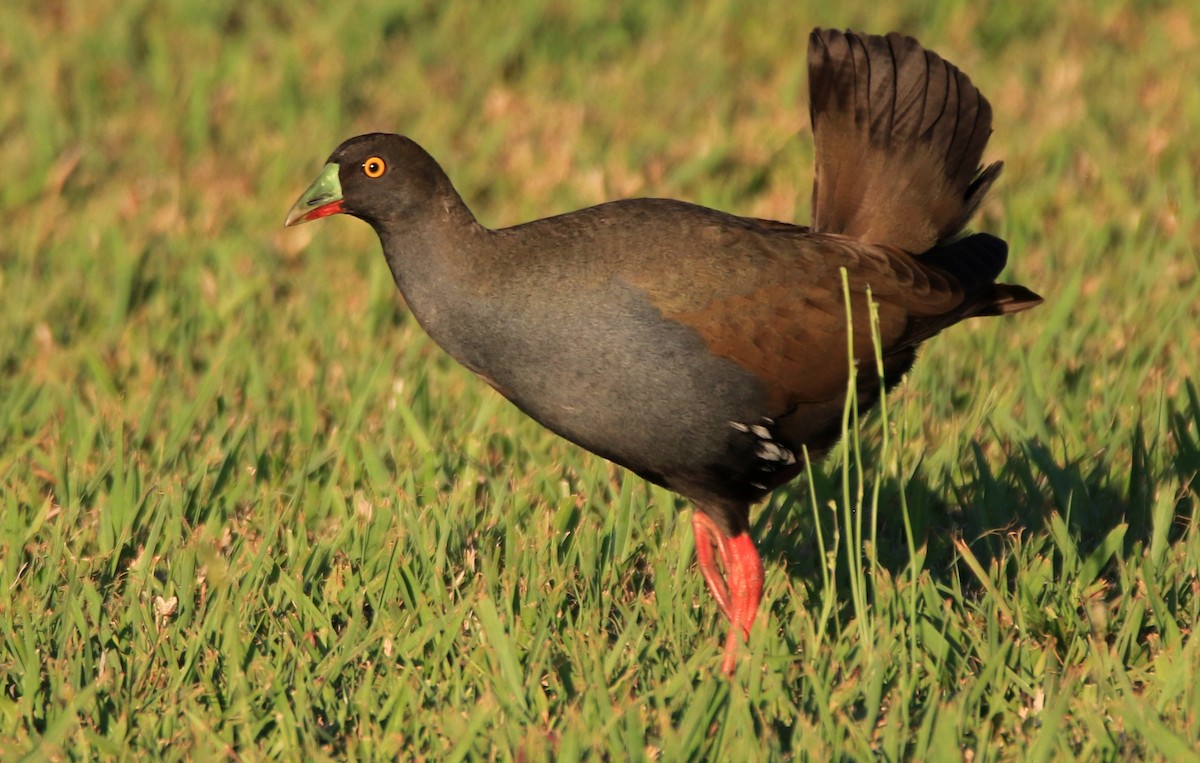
[(379, 177)]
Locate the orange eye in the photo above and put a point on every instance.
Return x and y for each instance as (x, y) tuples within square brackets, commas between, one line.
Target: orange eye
[(374, 167)]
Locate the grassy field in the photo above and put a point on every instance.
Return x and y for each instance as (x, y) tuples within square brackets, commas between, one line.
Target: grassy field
[(249, 511)]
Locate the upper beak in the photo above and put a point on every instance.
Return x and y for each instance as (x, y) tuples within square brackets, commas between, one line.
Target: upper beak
[(323, 198)]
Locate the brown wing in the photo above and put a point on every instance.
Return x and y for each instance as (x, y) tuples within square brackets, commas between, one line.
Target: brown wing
[(778, 307)]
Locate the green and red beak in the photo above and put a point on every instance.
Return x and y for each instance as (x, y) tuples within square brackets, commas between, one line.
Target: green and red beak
[(323, 198)]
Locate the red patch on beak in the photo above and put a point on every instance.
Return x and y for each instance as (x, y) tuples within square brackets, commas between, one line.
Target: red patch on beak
[(325, 210)]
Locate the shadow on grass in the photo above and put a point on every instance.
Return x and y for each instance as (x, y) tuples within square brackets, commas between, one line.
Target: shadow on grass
[(1094, 494)]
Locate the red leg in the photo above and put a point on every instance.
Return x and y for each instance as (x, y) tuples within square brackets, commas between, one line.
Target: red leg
[(739, 591), (746, 578), (707, 535)]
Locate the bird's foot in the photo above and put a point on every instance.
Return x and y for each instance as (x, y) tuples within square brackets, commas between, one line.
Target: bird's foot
[(739, 590)]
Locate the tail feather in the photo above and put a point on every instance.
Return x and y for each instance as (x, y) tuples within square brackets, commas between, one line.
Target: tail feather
[(1008, 298), (973, 262), (899, 136)]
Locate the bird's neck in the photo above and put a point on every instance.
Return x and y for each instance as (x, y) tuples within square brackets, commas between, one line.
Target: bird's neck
[(437, 259)]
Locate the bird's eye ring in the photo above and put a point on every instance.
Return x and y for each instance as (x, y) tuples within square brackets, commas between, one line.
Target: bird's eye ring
[(374, 167)]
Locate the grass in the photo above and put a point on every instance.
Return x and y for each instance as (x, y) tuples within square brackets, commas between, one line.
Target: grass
[(249, 511)]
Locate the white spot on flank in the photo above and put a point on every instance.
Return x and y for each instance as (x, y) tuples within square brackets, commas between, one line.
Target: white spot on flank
[(768, 450), (772, 451)]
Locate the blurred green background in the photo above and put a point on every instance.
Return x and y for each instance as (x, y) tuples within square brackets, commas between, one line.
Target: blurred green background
[(249, 511)]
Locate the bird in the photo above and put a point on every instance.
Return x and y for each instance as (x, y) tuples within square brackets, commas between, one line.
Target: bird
[(708, 352)]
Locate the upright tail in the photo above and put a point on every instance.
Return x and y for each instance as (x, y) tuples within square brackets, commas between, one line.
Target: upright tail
[(899, 135)]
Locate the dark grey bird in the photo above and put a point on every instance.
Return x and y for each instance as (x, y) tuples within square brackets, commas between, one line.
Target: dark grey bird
[(703, 350)]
